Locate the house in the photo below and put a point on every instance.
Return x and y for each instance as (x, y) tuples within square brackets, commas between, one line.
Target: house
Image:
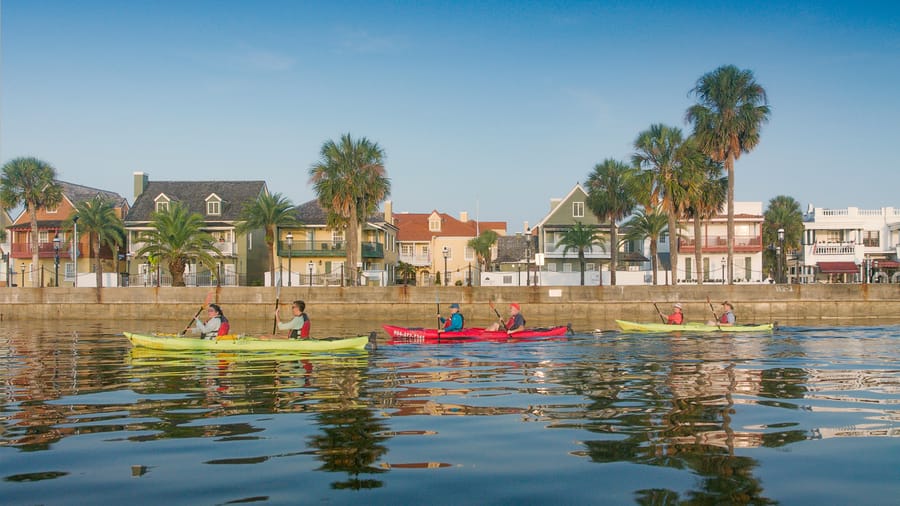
[(243, 258), (314, 254), (849, 245), (56, 256), (437, 245), (514, 261), (5, 222)]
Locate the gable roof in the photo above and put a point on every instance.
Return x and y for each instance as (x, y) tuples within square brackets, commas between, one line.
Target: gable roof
[(512, 248), (193, 194), (77, 194), (312, 213), (565, 200), (414, 226)]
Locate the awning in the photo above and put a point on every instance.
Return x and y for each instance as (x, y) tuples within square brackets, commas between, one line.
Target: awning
[(887, 264), (838, 267)]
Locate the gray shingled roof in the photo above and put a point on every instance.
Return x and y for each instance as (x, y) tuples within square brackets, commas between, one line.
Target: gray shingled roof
[(78, 193), (193, 194), (511, 248), (312, 213)]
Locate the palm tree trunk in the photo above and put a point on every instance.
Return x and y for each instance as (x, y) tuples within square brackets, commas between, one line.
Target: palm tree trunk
[(698, 248), (613, 254), (673, 247), (35, 246), (729, 167), (271, 242), (581, 262), (98, 267), (653, 259), (351, 240)]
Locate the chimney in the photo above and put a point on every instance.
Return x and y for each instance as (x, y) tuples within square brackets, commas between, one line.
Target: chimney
[(140, 183), (525, 227), (389, 212), (464, 216), (554, 203)]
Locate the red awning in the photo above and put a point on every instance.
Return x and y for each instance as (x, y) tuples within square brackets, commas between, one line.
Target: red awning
[(838, 267), (887, 264)]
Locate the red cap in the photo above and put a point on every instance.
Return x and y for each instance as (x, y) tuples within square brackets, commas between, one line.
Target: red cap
[(515, 305)]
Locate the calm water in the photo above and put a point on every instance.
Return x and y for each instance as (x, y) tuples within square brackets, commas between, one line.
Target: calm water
[(802, 416)]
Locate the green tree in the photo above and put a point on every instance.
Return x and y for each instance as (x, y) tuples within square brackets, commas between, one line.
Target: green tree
[(611, 197), (175, 239), (406, 272), (32, 183), (648, 225), (350, 181), (783, 212), (268, 212), (727, 119), (581, 238), (705, 199), (97, 217), (659, 151), (482, 246)]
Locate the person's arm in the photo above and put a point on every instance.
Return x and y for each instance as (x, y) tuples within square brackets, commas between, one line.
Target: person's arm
[(456, 323), (518, 325), (295, 323)]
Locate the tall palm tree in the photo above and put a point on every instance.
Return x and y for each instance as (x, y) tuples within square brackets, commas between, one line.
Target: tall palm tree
[(97, 217), (783, 213), (268, 212), (610, 197), (658, 150), (32, 183), (581, 238), (706, 199), (350, 181), (648, 225), (727, 119), (482, 246), (175, 238)]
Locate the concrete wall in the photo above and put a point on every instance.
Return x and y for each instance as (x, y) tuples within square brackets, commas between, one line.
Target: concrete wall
[(595, 306)]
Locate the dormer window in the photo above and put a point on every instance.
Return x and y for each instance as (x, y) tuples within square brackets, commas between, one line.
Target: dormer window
[(434, 223), (162, 203), (213, 205)]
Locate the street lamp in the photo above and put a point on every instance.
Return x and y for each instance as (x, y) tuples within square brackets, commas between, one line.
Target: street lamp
[(23, 274), (290, 241), (723, 270), (528, 256), (446, 252), (56, 258), (780, 251), (75, 250)]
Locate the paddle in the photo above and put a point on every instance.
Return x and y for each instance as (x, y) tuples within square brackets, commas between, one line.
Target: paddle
[(277, 296), (499, 318), (714, 313), (209, 296), (661, 317), (437, 300)]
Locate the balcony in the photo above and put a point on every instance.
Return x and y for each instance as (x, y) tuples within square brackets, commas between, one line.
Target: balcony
[(833, 249), (312, 249), (719, 244), (595, 252), (372, 250), (416, 260), (226, 248), (45, 250)]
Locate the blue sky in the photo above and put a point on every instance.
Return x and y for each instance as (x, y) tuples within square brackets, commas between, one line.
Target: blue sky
[(489, 107)]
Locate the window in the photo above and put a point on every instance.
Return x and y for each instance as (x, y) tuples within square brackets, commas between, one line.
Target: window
[(43, 237), (434, 224), (507, 279), (425, 250), (407, 250), (162, 206), (214, 207), (590, 267), (52, 210), (567, 267), (706, 269), (871, 238), (578, 209), (748, 263), (551, 267), (70, 271), (688, 268), (470, 253)]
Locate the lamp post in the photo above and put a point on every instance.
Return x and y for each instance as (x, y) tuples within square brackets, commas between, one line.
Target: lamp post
[(528, 256), (446, 252), (75, 251), (780, 251), (23, 274), (290, 241), (723, 270), (56, 260)]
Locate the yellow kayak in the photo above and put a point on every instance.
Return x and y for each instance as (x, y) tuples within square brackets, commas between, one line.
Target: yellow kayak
[(628, 326), (247, 343)]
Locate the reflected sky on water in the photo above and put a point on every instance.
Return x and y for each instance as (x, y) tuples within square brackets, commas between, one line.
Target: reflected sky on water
[(801, 415)]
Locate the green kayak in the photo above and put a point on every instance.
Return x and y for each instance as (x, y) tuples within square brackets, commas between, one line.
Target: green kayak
[(242, 343), (628, 326)]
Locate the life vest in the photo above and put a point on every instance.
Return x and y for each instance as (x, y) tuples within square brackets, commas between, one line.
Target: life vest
[(224, 327), (449, 321), (304, 330)]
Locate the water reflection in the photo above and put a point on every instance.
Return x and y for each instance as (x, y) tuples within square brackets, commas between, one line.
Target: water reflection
[(703, 406)]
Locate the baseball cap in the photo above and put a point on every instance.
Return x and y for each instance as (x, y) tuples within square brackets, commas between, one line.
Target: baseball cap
[(515, 305), (454, 306), (678, 305)]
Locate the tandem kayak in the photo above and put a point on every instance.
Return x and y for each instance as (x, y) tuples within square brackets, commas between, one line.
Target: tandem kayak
[(247, 343), (423, 335), (628, 326)]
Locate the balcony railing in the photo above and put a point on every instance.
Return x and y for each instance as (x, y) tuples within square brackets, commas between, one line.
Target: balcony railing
[(416, 260), (372, 250), (45, 250), (719, 244), (835, 249), (312, 249)]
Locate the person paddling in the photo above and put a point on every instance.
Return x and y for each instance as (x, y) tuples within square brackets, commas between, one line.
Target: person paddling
[(677, 317), (216, 325), (455, 322), (516, 322), (299, 324), (727, 318)]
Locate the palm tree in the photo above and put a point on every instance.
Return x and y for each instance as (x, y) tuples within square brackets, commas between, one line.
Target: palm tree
[(648, 225), (659, 150), (268, 212), (482, 246), (727, 120), (32, 183), (783, 213), (406, 272), (97, 217), (610, 197), (350, 181), (580, 238), (175, 238), (706, 199)]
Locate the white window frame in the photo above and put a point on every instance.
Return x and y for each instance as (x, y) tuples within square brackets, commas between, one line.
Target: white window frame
[(578, 209), (434, 224), (470, 253)]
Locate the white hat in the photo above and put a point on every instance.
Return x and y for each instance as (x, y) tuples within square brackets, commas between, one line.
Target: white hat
[(678, 305)]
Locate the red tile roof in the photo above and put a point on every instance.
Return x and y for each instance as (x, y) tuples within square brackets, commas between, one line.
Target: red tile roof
[(414, 226)]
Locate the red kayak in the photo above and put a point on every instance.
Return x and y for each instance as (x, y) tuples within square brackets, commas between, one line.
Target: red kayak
[(401, 335)]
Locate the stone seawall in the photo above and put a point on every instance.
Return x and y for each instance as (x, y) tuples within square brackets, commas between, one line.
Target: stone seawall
[(597, 306)]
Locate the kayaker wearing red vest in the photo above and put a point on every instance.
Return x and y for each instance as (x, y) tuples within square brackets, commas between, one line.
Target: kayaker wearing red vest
[(299, 324), (677, 317), (216, 325), (516, 322), (727, 318)]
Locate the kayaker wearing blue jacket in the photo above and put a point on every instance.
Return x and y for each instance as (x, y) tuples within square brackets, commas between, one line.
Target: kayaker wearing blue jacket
[(455, 322)]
